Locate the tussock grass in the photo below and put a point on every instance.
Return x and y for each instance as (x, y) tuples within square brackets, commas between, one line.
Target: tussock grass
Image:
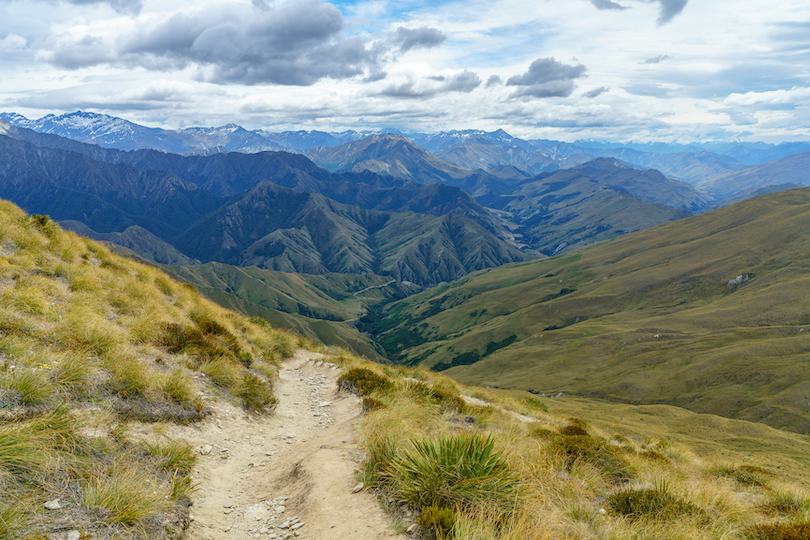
[(178, 386), (174, 455), (83, 329), (457, 471), (566, 475), (123, 496)]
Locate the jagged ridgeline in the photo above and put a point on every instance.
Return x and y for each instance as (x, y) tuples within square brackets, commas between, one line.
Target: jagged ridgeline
[(88, 338)]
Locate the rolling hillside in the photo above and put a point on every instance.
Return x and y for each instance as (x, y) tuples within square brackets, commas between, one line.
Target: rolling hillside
[(707, 313)]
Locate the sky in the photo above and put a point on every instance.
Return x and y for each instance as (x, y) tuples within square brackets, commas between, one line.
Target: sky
[(620, 70)]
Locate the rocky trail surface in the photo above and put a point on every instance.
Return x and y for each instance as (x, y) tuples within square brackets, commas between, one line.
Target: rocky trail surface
[(289, 474)]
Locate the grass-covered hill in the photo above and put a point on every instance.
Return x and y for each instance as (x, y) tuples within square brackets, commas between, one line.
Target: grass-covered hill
[(709, 313), (473, 464), (89, 341)]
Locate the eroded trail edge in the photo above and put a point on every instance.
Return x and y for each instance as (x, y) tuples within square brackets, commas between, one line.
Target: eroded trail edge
[(286, 475)]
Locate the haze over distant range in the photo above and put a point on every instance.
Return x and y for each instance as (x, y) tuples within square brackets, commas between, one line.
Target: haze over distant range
[(557, 69)]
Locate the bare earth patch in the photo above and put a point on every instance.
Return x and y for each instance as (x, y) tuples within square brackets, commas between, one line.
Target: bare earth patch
[(285, 475)]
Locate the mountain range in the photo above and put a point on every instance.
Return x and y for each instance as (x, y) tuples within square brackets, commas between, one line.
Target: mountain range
[(707, 313), (380, 243)]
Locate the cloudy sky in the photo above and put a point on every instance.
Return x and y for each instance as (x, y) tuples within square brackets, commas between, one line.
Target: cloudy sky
[(639, 70)]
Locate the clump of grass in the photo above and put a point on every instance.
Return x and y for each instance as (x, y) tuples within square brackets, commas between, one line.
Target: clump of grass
[(536, 404), (455, 471), (363, 381), (779, 531), (592, 450), (130, 378), (255, 393), (573, 430), (747, 475), (174, 455), (26, 448), (786, 502), (124, 497), (72, 372), (28, 386), (210, 340), (370, 404), (178, 386), (653, 503), (447, 397), (222, 372), (11, 520)]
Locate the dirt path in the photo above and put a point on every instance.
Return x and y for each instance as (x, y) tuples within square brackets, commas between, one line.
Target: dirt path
[(285, 475)]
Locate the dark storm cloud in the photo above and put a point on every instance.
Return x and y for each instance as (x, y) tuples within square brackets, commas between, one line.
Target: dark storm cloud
[(669, 8), (546, 78), (297, 44), (606, 4), (656, 60), (418, 38), (466, 82), (595, 92)]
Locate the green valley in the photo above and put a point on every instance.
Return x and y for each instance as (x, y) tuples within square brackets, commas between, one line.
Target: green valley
[(709, 313)]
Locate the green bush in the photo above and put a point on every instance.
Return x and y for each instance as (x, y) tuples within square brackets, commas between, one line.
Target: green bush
[(457, 471), (361, 381), (255, 394), (650, 503), (370, 404), (595, 451), (437, 519), (747, 475)]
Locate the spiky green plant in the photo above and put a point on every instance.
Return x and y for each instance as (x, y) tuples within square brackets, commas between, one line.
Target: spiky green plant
[(461, 470)]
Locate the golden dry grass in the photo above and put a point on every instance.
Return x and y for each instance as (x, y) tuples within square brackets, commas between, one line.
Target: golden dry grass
[(82, 327), (580, 475)]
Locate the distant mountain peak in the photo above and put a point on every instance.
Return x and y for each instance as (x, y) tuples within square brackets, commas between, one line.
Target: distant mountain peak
[(603, 163)]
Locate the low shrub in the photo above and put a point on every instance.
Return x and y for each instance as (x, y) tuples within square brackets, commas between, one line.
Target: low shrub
[(593, 450), (437, 519), (362, 381), (650, 503), (255, 394), (747, 475)]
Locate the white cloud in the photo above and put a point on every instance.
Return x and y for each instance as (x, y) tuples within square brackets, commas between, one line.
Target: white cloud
[(12, 42)]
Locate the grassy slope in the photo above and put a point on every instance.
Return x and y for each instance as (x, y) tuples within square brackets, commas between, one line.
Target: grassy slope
[(90, 339), (647, 318), (572, 468)]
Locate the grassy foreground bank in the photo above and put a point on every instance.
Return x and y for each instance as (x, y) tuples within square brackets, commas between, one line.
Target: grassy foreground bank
[(475, 464), (90, 341)]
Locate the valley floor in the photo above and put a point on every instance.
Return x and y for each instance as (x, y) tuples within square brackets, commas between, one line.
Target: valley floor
[(289, 474)]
